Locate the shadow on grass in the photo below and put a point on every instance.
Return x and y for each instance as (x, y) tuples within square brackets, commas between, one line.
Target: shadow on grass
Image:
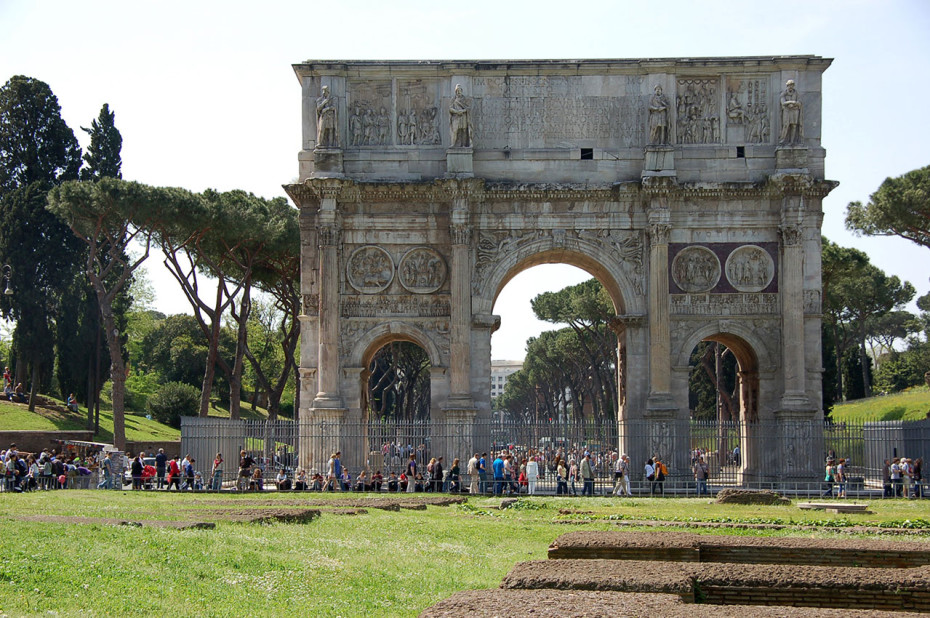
[(894, 414)]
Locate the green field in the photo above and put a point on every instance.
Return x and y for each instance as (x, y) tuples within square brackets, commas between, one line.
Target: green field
[(910, 405), (15, 416), (376, 564)]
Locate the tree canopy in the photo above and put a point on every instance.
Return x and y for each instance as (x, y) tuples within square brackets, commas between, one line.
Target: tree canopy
[(36, 145), (900, 207)]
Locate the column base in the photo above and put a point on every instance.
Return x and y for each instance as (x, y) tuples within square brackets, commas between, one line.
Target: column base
[(460, 162), (791, 158), (660, 161), (795, 403), (326, 401), (328, 163), (459, 435), (660, 405)]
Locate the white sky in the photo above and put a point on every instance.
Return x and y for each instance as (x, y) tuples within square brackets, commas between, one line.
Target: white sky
[(205, 96)]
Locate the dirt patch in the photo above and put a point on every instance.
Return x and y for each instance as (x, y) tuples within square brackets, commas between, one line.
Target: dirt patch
[(260, 515), (574, 512), (115, 521), (615, 575), (360, 502), (873, 530), (584, 539), (680, 578), (750, 496), (588, 604)]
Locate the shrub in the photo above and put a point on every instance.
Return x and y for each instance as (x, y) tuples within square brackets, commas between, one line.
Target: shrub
[(172, 401)]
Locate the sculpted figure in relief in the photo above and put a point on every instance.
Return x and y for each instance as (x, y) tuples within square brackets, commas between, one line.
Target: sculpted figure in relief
[(325, 120), (658, 117), (791, 115), (459, 121), (695, 269), (355, 126), (750, 269)]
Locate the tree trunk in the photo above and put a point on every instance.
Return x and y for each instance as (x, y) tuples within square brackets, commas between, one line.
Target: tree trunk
[(235, 377), (117, 372), (212, 354), (839, 392), (90, 394), (34, 387), (864, 361)]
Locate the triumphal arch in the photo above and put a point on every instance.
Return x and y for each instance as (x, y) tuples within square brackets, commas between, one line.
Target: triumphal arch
[(691, 188)]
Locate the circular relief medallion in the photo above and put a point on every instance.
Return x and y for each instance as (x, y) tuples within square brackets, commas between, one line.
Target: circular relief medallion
[(422, 270), (370, 269), (750, 268), (696, 269)]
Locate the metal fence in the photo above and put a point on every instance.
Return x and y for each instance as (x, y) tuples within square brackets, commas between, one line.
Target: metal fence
[(788, 456)]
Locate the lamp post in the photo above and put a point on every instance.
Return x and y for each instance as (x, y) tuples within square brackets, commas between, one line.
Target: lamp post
[(7, 273)]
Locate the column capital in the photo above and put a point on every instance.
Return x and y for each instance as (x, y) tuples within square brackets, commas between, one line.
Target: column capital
[(460, 233), (790, 234)]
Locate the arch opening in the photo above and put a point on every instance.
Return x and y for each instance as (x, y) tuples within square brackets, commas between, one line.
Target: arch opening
[(723, 400), (572, 370), (396, 381)]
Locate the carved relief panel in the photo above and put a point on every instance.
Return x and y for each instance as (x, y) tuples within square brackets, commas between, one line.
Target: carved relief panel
[(696, 269), (723, 268), (418, 117), (698, 110), (370, 269), (422, 270), (747, 110), (369, 111), (750, 269)]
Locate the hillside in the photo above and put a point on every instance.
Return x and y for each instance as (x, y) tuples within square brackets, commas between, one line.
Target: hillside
[(53, 415), (910, 405)]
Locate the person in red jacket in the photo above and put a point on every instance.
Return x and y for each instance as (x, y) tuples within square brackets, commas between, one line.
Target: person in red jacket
[(174, 473)]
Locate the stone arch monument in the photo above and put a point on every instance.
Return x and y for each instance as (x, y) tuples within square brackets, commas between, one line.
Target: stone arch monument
[(692, 189)]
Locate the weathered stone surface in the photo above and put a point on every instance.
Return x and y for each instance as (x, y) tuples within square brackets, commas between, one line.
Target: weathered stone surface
[(747, 496), (691, 188)]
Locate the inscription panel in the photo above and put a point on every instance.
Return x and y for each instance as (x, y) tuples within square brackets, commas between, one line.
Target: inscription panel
[(501, 122)]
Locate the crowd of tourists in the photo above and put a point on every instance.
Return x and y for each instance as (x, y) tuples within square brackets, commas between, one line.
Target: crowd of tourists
[(46, 470)]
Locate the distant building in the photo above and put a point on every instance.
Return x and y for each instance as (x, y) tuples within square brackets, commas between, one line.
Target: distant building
[(500, 371)]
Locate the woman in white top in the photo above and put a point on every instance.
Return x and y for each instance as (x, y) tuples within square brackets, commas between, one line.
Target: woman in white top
[(532, 473), (650, 472)]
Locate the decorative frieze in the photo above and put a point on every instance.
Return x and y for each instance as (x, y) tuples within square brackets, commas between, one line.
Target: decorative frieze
[(724, 304), (395, 306)]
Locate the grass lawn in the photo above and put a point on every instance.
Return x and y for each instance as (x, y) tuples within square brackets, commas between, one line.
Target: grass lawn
[(910, 405), (16, 416), (377, 564)]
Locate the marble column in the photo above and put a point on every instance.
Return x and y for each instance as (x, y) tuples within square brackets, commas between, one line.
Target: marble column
[(328, 394), (791, 290), (460, 329), (660, 397)]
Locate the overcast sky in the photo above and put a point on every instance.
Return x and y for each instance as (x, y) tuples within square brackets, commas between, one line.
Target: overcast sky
[(205, 96)]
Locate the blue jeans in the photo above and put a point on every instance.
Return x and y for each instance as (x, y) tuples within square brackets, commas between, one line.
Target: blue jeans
[(588, 487), (482, 481), (498, 486), (702, 487), (216, 483)]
